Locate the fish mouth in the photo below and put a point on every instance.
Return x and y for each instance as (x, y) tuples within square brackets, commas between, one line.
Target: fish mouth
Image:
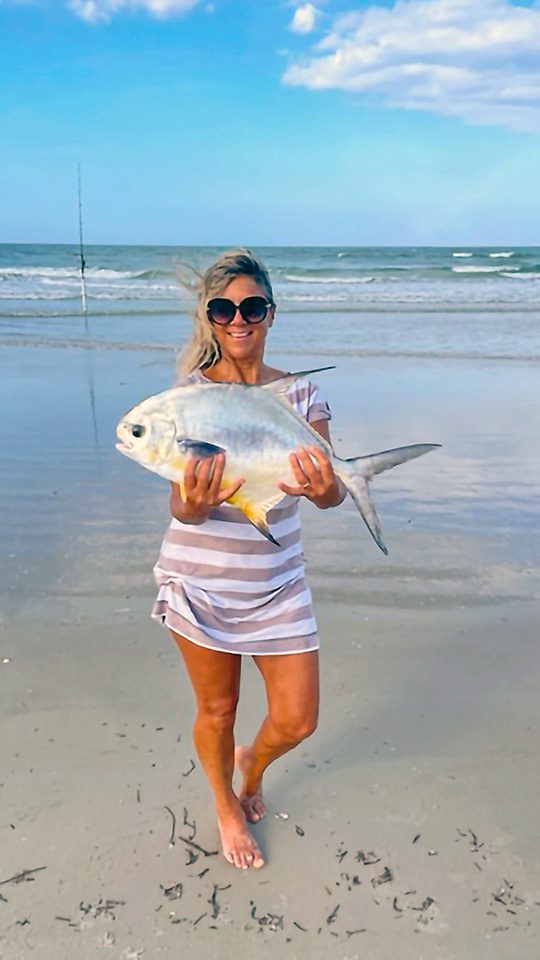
[(124, 447)]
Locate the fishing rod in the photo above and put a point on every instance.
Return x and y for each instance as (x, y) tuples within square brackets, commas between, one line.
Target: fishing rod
[(89, 361), (81, 251)]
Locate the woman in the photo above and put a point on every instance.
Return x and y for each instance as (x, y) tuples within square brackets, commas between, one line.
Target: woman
[(224, 590)]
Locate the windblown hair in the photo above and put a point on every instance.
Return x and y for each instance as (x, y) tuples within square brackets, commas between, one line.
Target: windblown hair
[(202, 350)]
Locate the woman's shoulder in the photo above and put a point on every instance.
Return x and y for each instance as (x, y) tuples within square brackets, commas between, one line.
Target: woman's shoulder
[(306, 397)]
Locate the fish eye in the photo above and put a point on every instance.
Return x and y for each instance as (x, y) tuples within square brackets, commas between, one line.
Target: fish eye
[(138, 430)]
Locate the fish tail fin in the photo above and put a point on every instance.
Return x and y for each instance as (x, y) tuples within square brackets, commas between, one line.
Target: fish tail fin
[(256, 514), (356, 473)]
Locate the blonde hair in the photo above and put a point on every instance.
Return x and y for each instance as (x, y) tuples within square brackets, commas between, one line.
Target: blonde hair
[(202, 349)]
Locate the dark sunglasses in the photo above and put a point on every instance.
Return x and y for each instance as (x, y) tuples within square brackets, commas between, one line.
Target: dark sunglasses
[(223, 311)]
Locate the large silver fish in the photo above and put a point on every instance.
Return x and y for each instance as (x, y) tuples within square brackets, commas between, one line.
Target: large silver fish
[(257, 428)]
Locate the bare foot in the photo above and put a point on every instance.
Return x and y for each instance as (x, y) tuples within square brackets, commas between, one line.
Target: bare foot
[(239, 847), (251, 800)]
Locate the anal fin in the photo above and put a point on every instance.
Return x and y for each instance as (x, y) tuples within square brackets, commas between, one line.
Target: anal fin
[(256, 513)]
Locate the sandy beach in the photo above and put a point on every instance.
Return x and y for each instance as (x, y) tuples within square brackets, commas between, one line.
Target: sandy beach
[(408, 825)]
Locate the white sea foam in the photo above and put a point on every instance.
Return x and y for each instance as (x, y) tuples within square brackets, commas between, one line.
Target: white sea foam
[(458, 254), (521, 276), (504, 254), (312, 298), (300, 279), (11, 273), (481, 269)]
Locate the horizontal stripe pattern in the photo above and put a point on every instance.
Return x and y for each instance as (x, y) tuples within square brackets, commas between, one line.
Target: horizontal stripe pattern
[(223, 586)]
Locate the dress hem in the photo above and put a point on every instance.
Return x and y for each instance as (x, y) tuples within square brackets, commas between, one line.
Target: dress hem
[(162, 618)]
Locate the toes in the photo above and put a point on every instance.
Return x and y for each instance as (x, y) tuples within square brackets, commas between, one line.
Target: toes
[(257, 861), (253, 808)]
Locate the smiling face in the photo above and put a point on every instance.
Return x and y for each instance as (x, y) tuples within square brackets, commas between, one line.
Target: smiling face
[(240, 341)]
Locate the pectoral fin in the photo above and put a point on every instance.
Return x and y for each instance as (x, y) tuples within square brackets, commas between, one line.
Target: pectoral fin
[(197, 448)]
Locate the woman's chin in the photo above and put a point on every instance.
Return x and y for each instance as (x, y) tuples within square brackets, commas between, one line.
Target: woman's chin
[(242, 351)]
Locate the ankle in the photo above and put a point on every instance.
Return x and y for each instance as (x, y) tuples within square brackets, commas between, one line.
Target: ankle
[(251, 786), (228, 806)]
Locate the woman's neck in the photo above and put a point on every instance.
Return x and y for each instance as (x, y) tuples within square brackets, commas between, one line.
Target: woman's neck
[(233, 371)]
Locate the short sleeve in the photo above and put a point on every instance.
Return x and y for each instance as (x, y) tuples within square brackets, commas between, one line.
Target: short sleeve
[(318, 408), (307, 400)]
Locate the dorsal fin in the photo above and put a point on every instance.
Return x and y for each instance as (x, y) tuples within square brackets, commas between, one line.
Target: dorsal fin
[(280, 385)]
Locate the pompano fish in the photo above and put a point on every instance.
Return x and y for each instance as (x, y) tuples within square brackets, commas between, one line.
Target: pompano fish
[(257, 428)]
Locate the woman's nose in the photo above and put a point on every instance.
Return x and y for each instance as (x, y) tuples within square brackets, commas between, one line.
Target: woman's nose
[(238, 319)]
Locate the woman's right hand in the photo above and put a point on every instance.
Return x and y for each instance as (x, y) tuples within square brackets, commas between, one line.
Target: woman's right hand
[(202, 482)]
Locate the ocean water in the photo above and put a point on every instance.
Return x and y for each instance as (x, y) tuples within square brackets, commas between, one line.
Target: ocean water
[(462, 302)]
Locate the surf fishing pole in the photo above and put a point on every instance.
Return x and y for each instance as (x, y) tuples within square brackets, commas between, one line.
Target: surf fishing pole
[(88, 360), (81, 250)]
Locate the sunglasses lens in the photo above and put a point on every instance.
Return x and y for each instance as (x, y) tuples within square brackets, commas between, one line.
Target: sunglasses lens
[(220, 310), (253, 309)]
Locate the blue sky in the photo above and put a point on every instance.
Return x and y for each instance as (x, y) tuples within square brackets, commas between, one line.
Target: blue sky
[(271, 122)]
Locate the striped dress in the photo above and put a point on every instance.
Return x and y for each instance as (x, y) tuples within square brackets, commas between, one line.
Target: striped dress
[(222, 585)]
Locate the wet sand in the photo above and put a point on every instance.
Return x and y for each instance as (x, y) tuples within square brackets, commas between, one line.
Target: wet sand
[(407, 826)]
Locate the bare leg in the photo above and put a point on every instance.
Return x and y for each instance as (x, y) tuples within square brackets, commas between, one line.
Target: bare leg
[(292, 689), (215, 677)]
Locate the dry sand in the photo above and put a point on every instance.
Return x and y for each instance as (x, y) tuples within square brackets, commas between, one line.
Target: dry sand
[(406, 827)]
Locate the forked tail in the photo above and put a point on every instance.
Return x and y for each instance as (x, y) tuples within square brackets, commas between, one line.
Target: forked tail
[(356, 473)]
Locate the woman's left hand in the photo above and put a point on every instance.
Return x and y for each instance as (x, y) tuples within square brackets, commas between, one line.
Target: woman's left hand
[(315, 477)]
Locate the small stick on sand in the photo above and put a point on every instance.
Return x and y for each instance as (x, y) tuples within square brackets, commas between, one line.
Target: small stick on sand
[(191, 843), (331, 918), (173, 827), (24, 875), (188, 823)]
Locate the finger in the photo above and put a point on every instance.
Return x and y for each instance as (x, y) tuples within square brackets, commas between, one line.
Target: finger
[(190, 473), (176, 492), (229, 491), (319, 455), (324, 463), (204, 473), (217, 475), (292, 491), (310, 469), (299, 474)]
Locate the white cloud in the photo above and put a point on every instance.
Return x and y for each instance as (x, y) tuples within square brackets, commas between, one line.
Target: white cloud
[(474, 59), (304, 19), (94, 11)]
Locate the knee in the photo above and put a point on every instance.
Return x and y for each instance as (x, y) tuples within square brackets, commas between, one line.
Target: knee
[(296, 727), (218, 714)]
